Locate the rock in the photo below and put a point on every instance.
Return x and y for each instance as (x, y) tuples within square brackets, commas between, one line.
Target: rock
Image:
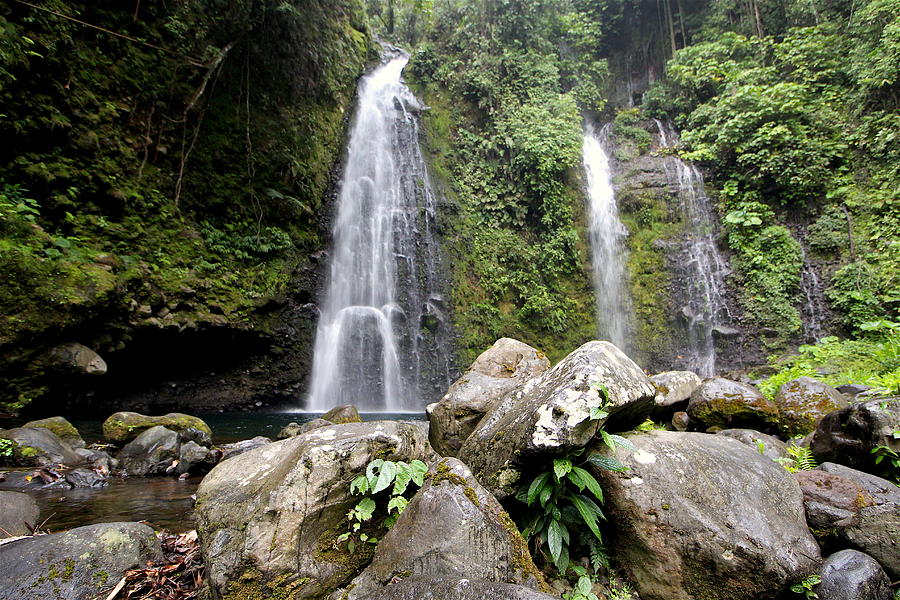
[(727, 404), (294, 429), (674, 390), (767, 445), (446, 588), (199, 437), (37, 446), (64, 430), (803, 402), (873, 526), (550, 414), (76, 359), (346, 413), (153, 452), (97, 459), (852, 575), (452, 527), (725, 332), (705, 516), (19, 515), (79, 564), (238, 448), (125, 426), (85, 478), (849, 435), (497, 371), (268, 519), (852, 390), (194, 458), (681, 421)]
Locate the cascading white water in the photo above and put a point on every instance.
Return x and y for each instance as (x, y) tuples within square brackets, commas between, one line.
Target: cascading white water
[(703, 268), (814, 311), (381, 341), (607, 236)]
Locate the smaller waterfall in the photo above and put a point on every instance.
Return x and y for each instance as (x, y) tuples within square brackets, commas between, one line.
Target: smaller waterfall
[(813, 310), (703, 268), (607, 236)]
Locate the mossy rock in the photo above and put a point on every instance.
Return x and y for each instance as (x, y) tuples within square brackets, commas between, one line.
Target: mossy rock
[(125, 426), (803, 402), (723, 404), (62, 428), (346, 413)]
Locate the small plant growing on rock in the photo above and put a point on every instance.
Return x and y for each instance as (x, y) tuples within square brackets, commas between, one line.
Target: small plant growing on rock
[(806, 586), (584, 588), (801, 459), (7, 448)]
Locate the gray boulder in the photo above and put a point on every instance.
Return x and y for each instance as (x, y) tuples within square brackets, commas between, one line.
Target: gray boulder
[(153, 452), (269, 519), (194, 458), (446, 588), (849, 435), (674, 390), (454, 528), (346, 413), (720, 403), (852, 575), (19, 515), (803, 402), (550, 414), (767, 445), (64, 430), (76, 359), (37, 446), (294, 429), (705, 516), (125, 426), (497, 371), (97, 459), (78, 564), (238, 448)]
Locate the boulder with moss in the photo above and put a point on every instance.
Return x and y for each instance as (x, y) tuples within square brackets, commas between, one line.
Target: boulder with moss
[(124, 426), (456, 588), (62, 428), (39, 447), (803, 402), (720, 403), (346, 413), (674, 390)]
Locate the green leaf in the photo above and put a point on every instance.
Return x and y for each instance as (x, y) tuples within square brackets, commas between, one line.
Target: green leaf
[(360, 485), (536, 487), (404, 476), (583, 505), (561, 466), (608, 439), (575, 477), (607, 462), (584, 585), (419, 469), (618, 440), (365, 509), (398, 503), (554, 539), (385, 476), (545, 494), (589, 482)]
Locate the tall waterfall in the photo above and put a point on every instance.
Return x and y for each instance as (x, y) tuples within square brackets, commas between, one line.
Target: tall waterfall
[(382, 341), (813, 309), (607, 235), (703, 268)]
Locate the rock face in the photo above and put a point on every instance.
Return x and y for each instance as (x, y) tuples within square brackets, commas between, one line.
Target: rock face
[(441, 588), (37, 446), (550, 414), (78, 564), (767, 445), (497, 371), (852, 575), (238, 448), (705, 516), (76, 359), (268, 519), (849, 435), (293, 429), (64, 430), (452, 527), (803, 402), (125, 426), (19, 515), (161, 451), (346, 413), (727, 404), (674, 390)]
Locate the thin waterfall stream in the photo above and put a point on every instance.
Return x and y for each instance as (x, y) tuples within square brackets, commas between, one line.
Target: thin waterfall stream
[(383, 341), (607, 237)]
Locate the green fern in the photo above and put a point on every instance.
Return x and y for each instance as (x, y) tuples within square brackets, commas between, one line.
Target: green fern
[(801, 459)]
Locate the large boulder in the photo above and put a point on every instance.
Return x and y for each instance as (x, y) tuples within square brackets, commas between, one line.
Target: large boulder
[(674, 390), (452, 527), (346, 413), (803, 402), (36, 446), (269, 519), (64, 430), (497, 371), (767, 445), (550, 414), (123, 427), (849, 435), (19, 515), (76, 359), (455, 588), (153, 452), (79, 564), (725, 404), (852, 575), (705, 516)]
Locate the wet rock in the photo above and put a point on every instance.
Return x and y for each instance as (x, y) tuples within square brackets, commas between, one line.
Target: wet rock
[(452, 527), (851, 390), (153, 452), (849, 435), (705, 516), (767, 445), (125, 426), (346, 413), (97, 459), (76, 359), (681, 421), (804, 401), (852, 575), (674, 390), (85, 478), (79, 564), (445, 588), (268, 519), (19, 515), (497, 371), (294, 429), (36, 446), (199, 437), (725, 404), (238, 448), (64, 430), (194, 458), (550, 414)]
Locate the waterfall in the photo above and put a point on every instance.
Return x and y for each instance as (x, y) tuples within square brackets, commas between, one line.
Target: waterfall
[(814, 311), (607, 236), (383, 342), (703, 269)]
